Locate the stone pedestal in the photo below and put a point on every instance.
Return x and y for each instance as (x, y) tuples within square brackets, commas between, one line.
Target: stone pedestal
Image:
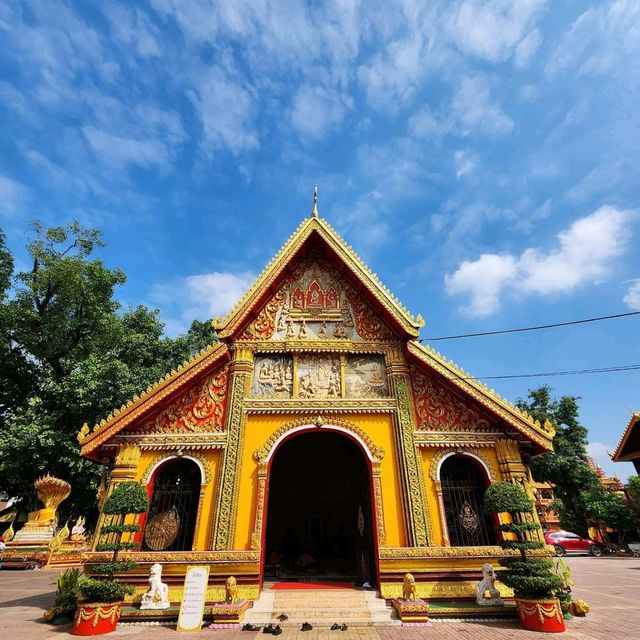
[(411, 611), (229, 614)]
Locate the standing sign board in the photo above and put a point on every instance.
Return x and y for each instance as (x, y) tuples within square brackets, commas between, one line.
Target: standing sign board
[(193, 598)]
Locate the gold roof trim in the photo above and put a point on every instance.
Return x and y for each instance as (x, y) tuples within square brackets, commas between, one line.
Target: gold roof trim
[(237, 315), (120, 418), (616, 457), (542, 434)]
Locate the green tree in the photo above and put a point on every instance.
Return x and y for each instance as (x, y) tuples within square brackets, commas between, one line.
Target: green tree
[(73, 356), (608, 510), (566, 468)]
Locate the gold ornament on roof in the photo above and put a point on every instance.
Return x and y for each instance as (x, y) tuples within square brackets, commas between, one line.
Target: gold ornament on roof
[(314, 212), (84, 432)]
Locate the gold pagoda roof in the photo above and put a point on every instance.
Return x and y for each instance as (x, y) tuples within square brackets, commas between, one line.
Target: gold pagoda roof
[(540, 433), (235, 319)]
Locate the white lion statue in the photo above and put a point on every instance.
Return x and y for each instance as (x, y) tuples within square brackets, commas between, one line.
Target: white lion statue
[(158, 595), (488, 583)]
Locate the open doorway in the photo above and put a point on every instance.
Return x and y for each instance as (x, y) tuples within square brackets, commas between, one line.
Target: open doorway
[(319, 523)]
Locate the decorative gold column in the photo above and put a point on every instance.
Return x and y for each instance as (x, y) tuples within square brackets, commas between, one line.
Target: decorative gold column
[(443, 516), (414, 503), (377, 496), (513, 470), (125, 468), (256, 536), (229, 482)]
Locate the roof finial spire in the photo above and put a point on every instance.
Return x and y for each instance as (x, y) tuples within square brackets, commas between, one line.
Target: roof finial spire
[(314, 213)]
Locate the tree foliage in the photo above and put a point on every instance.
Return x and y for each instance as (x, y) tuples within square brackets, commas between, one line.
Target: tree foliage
[(70, 355), (607, 509), (566, 468)]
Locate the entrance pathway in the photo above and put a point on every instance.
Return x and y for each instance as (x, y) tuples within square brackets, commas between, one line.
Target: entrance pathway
[(610, 585)]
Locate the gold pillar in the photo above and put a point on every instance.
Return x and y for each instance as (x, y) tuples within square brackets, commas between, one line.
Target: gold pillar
[(229, 482), (443, 515), (125, 468), (513, 470), (414, 503), (256, 536), (377, 491)]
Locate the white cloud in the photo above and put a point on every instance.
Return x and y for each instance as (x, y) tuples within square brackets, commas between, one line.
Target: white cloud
[(632, 299), (316, 111), (527, 47), (425, 124), (227, 112), (134, 29), (585, 254), (464, 163), (118, 152), (604, 39), (474, 109), (495, 29), (199, 297)]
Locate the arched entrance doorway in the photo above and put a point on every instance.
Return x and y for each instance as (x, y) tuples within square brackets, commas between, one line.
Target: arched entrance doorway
[(319, 510), (173, 507)]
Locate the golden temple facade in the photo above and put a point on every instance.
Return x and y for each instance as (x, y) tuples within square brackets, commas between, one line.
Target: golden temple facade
[(317, 437)]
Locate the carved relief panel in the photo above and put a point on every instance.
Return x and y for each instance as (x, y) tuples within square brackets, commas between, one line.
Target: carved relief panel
[(365, 377), (438, 408), (272, 377), (319, 376)]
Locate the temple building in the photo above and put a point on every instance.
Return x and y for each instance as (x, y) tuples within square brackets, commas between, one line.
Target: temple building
[(317, 437), (628, 449)]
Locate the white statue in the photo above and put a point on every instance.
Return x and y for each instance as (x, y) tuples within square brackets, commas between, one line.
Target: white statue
[(158, 595), (488, 583)]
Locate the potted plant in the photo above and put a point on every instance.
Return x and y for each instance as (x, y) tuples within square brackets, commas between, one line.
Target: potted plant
[(100, 599), (532, 579), (564, 595), (66, 598)]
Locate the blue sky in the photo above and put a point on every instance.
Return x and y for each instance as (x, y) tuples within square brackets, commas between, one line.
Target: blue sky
[(482, 157)]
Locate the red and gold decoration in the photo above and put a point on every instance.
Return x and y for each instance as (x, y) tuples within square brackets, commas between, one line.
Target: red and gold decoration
[(541, 615), (96, 618)]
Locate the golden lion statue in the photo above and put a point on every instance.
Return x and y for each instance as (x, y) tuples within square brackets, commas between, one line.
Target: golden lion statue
[(409, 587), (230, 590), (579, 608)]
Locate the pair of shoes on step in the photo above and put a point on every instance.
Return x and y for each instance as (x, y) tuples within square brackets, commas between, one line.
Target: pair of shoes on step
[(274, 631), (282, 617), (306, 627), (339, 627), (250, 627)]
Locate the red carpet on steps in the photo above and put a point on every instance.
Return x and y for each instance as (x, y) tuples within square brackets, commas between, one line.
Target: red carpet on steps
[(310, 585)]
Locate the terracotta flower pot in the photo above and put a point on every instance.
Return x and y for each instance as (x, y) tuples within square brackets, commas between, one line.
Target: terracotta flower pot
[(96, 618), (544, 614)]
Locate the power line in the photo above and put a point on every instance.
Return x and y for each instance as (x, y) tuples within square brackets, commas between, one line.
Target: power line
[(536, 328), (631, 367)]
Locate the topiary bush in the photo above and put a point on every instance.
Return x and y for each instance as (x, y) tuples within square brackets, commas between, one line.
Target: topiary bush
[(127, 498), (529, 577)]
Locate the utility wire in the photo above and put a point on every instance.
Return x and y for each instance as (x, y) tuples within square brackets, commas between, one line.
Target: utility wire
[(631, 367), (536, 328)]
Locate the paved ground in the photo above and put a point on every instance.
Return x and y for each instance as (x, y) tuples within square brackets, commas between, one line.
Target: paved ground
[(610, 585)]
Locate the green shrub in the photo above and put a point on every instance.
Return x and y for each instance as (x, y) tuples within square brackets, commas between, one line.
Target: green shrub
[(127, 498), (92, 590), (66, 597), (528, 577)]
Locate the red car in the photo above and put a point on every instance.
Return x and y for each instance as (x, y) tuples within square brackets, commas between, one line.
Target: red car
[(567, 542)]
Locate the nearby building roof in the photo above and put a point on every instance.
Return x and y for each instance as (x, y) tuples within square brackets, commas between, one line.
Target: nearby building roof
[(629, 445)]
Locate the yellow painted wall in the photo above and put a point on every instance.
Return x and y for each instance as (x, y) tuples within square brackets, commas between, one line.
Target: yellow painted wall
[(259, 428)]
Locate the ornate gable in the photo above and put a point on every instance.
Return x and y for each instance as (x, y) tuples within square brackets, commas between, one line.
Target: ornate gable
[(333, 285), (316, 302)]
